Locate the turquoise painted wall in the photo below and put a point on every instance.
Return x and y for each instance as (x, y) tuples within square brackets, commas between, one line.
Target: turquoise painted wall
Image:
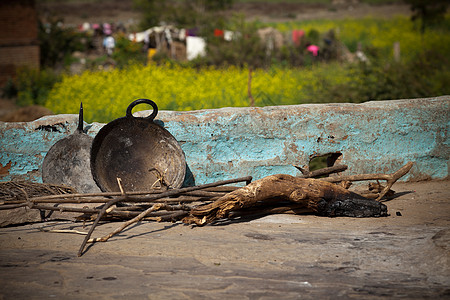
[(373, 137)]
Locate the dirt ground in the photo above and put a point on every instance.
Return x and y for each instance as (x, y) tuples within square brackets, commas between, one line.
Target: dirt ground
[(405, 255)]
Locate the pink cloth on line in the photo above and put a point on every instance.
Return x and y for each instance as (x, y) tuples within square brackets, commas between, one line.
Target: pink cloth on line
[(297, 35), (313, 49)]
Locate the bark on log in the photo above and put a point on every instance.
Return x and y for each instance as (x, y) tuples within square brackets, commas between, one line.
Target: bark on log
[(316, 196)]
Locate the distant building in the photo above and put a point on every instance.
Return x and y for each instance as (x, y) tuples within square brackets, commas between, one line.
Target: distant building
[(19, 44)]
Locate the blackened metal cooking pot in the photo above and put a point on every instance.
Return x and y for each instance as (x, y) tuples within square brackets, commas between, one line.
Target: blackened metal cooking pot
[(141, 153)]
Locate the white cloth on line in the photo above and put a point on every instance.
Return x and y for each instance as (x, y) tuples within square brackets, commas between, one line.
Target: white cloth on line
[(195, 46)]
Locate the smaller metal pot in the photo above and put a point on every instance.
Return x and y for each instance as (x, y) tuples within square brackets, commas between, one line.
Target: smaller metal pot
[(68, 161), (141, 153)]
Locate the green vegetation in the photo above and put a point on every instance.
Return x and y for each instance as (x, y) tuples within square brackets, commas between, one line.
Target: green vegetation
[(203, 14), (32, 86), (58, 43)]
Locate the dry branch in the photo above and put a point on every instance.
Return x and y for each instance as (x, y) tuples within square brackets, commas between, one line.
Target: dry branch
[(312, 195), (390, 178)]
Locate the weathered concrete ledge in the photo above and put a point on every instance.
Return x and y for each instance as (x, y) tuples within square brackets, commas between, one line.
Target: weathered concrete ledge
[(219, 144)]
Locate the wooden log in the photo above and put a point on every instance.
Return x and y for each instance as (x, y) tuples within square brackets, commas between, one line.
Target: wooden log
[(316, 196)]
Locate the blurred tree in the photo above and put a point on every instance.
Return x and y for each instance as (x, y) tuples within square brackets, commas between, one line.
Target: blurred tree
[(127, 52), (428, 12), (217, 4), (152, 12), (245, 48), (186, 13), (58, 43)]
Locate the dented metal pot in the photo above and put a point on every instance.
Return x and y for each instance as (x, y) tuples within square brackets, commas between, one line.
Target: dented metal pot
[(141, 153)]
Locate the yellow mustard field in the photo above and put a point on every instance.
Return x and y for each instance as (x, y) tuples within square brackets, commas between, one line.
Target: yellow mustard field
[(105, 95)]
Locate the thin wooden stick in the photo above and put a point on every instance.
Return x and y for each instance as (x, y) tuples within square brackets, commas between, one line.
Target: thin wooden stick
[(143, 199), (63, 231), (363, 177), (103, 194), (119, 183), (145, 206), (204, 194), (223, 189), (321, 172), (178, 215), (136, 219), (116, 212), (13, 206), (67, 209), (112, 194)]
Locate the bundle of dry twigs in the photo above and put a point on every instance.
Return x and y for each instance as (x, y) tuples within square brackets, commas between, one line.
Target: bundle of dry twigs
[(57, 198), (18, 190)]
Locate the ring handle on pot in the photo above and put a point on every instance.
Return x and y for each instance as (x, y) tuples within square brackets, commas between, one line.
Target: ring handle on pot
[(139, 101)]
